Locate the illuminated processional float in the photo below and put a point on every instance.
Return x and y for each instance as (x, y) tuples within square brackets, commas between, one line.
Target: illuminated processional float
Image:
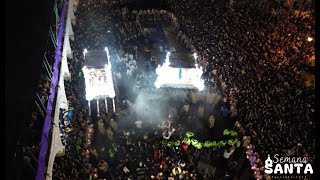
[(97, 73), (178, 77)]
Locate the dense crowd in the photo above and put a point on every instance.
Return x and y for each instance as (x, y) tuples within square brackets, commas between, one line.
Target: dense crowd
[(76, 126), (259, 50), (243, 46), (83, 158)]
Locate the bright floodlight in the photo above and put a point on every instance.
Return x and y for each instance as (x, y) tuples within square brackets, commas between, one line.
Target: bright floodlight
[(98, 76), (310, 39), (189, 78)]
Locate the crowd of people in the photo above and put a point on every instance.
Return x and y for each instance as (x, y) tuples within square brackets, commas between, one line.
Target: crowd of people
[(83, 158), (243, 45), (259, 50), (76, 127)]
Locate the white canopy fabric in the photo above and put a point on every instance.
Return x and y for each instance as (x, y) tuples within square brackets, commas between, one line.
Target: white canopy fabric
[(57, 149)]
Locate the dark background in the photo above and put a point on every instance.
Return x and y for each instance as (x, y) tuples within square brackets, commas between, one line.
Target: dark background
[(26, 33)]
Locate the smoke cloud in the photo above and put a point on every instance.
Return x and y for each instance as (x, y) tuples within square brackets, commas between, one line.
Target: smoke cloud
[(157, 105)]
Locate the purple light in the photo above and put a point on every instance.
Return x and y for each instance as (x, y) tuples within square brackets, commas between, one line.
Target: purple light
[(54, 81)]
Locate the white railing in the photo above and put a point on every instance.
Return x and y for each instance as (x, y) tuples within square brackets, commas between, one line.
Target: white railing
[(57, 149)]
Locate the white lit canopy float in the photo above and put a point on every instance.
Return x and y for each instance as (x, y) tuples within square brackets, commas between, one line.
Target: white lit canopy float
[(98, 76), (188, 77)]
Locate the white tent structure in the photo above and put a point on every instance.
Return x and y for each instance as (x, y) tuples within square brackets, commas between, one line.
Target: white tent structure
[(189, 78), (56, 148), (98, 76)]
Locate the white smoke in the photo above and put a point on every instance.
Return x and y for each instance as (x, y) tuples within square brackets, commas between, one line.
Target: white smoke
[(156, 105)]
